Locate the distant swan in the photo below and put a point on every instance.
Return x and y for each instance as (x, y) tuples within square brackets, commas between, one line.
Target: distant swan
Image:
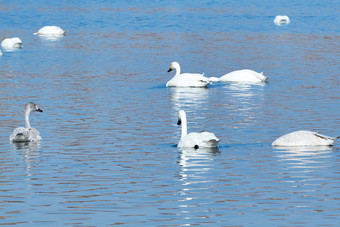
[(186, 79), (50, 31), (281, 19), (243, 75), (26, 134), (194, 139), (11, 43), (304, 138)]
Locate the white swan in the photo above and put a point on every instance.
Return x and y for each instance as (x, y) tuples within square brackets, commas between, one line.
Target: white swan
[(186, 79), (11, 43), (243, 75), (50, 31), (304, 138), (26, 134), (194, 139), (281, 19)]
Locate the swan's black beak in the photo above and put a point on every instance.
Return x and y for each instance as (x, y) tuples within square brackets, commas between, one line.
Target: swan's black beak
[(38, 109), (170, 70), (179, 122)]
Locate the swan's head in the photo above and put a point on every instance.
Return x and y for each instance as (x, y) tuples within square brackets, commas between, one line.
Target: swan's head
[(181, 117), (173, 65), (32, 107)]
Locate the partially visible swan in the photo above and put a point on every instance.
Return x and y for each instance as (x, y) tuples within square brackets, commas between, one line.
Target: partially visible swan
[(11, 43), (27, 133), (194, 139), (186, 79), (243, 75), (281, 19), (304, 138), (50, 31)]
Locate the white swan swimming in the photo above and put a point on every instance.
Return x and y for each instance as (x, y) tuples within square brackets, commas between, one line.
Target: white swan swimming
[(304, 138), (27, 133), (243, 75), (50, 31), (194, 139), (187, 79), (11, 43), (281, 19)]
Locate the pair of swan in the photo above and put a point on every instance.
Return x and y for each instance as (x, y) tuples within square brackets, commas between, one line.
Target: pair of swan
[(10, 44), (293, 139), (27, 133), (199, 80)]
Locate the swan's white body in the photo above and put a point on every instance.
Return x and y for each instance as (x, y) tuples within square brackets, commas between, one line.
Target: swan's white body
[(27, 133), (50, 31), (244, 75), (304, 138), (281, 19), (186, 79), (194, 139), (11, 43)]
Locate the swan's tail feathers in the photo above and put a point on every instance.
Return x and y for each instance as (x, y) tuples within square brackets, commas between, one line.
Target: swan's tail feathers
[(214, 79), (213, 142)]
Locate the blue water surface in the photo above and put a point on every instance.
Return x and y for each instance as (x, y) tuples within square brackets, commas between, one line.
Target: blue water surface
[(108, 154)]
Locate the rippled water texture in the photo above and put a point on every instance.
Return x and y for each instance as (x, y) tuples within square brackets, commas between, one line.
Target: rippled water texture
[(109, 154)]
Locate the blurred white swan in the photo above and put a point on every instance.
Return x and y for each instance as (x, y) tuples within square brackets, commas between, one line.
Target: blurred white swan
[(11, 43), (194, 139), (27, 133), (304, 138), (243, 75), (281, 19), (187, 79), (50, 31)]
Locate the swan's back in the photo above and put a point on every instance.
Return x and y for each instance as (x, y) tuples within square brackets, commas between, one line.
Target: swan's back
[(50, 31), (243, 75), (188, 80), (196, 140), (22, 134), (11, 43), (304, 138), (281, 19)]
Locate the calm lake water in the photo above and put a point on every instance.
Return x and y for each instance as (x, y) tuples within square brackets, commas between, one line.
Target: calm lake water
[(109, 155)]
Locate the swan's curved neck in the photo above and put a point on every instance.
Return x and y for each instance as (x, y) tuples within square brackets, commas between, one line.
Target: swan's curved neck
[(178, 70), (27, 119), (184, 126)]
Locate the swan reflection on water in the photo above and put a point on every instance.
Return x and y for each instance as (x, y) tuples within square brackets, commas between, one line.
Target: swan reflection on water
[(30, 152), (245, 90), (188, 97), (190, 157), (196, 166), (304, 156)]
